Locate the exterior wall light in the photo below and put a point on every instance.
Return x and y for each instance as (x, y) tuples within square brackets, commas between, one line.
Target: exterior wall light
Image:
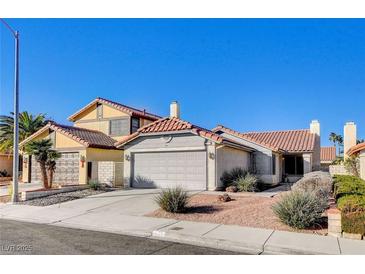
[(127, 157), (211, 155), (82, 160)]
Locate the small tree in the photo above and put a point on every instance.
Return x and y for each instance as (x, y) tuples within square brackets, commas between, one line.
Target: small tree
[(352, 165), (45, 156), (51, 165)]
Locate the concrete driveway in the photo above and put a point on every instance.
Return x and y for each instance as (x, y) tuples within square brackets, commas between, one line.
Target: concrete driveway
[(133, 202)]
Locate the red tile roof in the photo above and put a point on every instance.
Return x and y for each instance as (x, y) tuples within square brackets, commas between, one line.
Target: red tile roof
[(86, 137), (328, 154), (126, 109), (356, 149), (290, 141), (174, 125)]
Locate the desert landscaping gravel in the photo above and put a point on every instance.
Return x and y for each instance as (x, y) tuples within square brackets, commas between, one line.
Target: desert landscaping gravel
[(63, 197), (251, 211)]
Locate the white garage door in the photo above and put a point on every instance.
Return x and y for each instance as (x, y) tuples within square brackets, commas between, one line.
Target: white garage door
[(170, 169), (67, 169)]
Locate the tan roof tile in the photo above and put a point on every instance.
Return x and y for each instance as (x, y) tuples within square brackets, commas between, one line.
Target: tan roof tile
[(356, 149), (287, 140), (86, 137), (176, 125), (328, 154)]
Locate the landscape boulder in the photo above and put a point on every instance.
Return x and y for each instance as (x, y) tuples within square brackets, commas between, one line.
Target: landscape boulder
[(318, 182), (224, 198)]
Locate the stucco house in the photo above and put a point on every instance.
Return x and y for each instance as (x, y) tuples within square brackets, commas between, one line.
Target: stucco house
[(129, 147), (328, 155), (280, 155), (172, 152), (88, 145)]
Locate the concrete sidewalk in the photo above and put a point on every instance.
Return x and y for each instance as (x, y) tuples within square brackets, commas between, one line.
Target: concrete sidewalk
[(122, 212)]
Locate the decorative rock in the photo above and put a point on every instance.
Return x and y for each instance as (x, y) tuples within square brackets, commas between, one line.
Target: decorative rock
[(232, 189), (224, 198)]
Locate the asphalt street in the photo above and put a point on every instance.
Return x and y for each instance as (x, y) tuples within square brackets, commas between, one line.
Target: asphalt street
[(37, 239)]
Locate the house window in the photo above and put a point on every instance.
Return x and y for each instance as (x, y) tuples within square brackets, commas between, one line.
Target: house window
[(119, 127), (273, 164), (135, 124), (294, 165)]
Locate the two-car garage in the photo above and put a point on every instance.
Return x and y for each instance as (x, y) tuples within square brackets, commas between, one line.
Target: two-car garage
[(187, 169), (171, 153)]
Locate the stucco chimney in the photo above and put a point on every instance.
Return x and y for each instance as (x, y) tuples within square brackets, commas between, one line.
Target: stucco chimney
[(175, 110), (315, 127), (349, 137)]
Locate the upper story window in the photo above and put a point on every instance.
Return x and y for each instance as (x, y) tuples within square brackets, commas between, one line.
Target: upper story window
[(119, 127), (135, 124)]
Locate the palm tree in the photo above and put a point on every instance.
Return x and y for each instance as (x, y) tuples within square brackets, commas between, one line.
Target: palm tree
[(45, 156), (51, 164), (337, 141), (333, 138), (28, 124)]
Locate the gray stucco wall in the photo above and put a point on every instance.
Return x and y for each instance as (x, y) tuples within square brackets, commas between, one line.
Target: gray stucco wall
[(168, 143), (229, 158), (262, 161)]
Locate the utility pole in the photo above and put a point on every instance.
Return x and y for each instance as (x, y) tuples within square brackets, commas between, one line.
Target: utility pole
[(14, 197)]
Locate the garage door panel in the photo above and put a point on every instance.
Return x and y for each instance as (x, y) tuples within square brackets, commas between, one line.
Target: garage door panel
[(169, 169)]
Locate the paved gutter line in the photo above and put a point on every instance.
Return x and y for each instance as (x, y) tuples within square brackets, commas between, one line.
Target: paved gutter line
[(268, 238)]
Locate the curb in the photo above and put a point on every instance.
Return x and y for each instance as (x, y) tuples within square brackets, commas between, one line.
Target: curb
[(207, 242)]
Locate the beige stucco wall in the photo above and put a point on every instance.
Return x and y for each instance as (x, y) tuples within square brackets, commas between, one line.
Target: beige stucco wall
[(6, 163), (229, 158), (62, 142), (88, 114), (110, 112)]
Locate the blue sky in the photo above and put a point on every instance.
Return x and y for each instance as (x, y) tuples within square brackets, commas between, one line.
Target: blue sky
[(251, 75)]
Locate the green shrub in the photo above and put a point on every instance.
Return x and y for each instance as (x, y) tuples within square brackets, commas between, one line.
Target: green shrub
[(348, 185), (353, 222), (300, 209), (94, 184), (351, 202), (247, 183), (173, 200), (229, 178), (352, 165)]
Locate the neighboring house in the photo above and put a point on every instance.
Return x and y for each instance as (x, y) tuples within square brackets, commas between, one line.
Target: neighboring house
[(6, 163), (328, 155), (172, 152), (280, 154), (359, 150), (88, 146)]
